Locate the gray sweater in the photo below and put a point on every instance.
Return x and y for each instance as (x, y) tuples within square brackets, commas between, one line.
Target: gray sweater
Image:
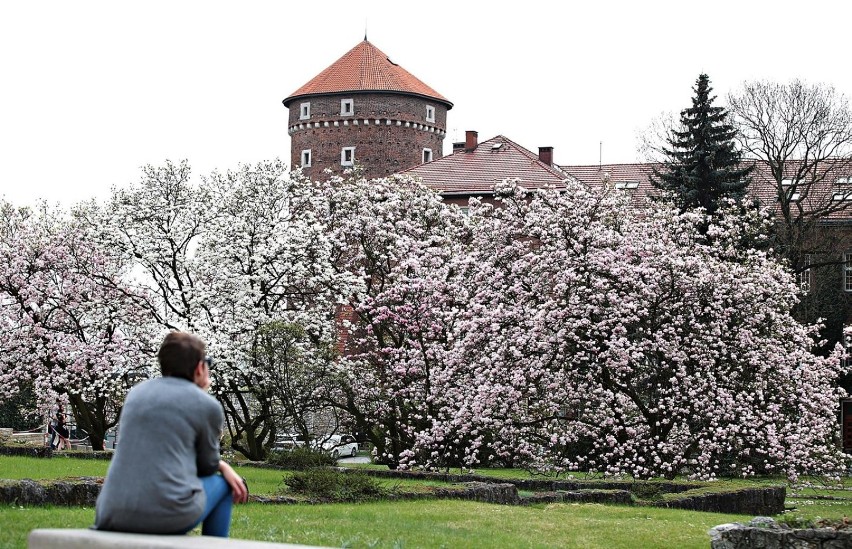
[(169, 437)]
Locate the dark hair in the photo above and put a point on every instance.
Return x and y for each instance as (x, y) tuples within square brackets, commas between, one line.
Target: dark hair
[(179, 354)]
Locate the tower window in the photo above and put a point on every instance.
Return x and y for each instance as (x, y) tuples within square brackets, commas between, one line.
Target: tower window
[(306, 158), (427, 155), (847, 272), (804, 277), (347, 156), (347, 107), (430, 113), (305, 111)]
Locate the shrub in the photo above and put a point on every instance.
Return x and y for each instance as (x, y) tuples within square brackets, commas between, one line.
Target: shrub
[(647, 491), (333, 485), (300, 459)]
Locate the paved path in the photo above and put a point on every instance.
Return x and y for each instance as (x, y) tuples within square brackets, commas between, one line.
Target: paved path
[(356, 459)]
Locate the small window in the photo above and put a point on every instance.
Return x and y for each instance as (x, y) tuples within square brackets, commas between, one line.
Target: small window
[(347, 107), (844, 181), (427, 155), (786, 182), (305, 111), (847, 272), (347, 156), (626, 185), (430, 113), (844, 195), (804, 276), (847, 350), (306, 158)]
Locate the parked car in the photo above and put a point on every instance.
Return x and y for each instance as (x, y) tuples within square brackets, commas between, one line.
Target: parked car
[(287, 442), (340, 445)]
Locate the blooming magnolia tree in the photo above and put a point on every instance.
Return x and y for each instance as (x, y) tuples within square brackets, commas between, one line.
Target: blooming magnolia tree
[(265, 278), (68, 321), (596, 339), (560, 330), (396, 245)]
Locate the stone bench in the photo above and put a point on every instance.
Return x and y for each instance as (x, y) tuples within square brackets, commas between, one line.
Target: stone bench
[(66, 538)]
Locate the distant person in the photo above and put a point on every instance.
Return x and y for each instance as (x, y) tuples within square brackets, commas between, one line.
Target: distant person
[(166, 477), (51, 422), (61, 429)]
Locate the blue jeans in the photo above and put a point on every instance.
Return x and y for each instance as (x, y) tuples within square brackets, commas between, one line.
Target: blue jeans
[(216, 517)]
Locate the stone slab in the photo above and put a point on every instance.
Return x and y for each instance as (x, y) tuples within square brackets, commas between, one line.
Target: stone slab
[(67, 538)]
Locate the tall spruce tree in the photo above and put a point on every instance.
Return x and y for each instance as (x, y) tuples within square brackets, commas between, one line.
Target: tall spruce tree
[(703, 165)]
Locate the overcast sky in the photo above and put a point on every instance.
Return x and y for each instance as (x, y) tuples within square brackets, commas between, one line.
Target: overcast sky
[(92, 91)]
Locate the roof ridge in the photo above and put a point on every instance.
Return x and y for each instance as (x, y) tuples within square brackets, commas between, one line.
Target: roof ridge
[(365, 68)]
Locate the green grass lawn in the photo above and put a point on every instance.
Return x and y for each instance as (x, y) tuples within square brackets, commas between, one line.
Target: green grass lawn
[(428, 523)]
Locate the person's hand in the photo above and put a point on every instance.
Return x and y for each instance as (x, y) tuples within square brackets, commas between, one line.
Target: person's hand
[(235, 481)]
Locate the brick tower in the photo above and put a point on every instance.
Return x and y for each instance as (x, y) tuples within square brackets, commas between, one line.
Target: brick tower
[(365, 109)]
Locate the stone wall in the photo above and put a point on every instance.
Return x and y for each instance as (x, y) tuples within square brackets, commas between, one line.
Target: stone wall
[(748, 501), (80, 491), (765, 532)]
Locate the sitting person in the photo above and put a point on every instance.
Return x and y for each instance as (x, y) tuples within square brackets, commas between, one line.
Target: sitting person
[(163, 477)]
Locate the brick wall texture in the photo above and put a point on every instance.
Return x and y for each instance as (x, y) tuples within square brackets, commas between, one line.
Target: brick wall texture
[(388, 131)]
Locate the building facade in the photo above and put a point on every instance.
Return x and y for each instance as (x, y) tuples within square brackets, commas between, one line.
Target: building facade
[(365, 110)]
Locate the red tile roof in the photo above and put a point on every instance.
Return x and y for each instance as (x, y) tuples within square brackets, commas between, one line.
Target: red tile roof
[(365, 68), (476, 171), (763, 186), (622, 176)]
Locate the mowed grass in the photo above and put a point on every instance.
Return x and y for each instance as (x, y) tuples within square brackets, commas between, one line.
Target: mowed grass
[(426, 524), (414, 524), (262, 482)]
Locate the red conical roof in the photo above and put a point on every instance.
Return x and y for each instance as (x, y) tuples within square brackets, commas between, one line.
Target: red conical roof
[(365, 68)]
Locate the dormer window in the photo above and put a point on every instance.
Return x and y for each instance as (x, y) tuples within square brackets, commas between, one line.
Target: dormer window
[(304, 111), (306, 158), (347, 156), (430, 113), (347, 107), (427, 155)]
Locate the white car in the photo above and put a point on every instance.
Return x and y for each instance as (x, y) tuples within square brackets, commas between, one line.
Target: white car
[(340, 445), (287, 442)]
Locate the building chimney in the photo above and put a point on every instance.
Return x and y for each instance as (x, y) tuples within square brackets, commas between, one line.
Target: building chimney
[(471, 140), (458, 145), (545, 155)]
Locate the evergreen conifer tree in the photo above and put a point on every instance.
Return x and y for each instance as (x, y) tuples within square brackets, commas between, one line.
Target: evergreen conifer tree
[(703, 165)]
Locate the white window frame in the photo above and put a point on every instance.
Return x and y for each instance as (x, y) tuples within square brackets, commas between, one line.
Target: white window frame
[(430, 113), (351, 155), (804, 277), (306, 158), (847, 271), (347, 103), (304, 111), (427, 155)]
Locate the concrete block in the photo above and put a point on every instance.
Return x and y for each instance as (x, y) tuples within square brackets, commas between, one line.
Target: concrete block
[(67, 538)]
